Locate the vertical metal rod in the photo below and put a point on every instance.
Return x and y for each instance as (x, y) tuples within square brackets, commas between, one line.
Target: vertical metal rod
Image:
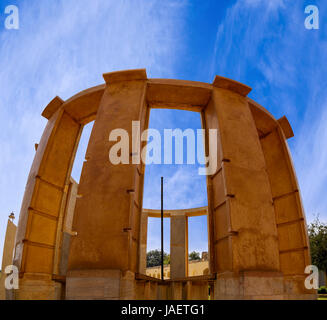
[(162, 248)]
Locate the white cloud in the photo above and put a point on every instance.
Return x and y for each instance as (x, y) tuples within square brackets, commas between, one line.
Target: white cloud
[(270, 4), (265, 45), (310, 155), (183, 187)]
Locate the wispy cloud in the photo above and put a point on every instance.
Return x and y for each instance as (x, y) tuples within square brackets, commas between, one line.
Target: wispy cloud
[(183, 187), (268, 4), (310, 156), (265, 45)]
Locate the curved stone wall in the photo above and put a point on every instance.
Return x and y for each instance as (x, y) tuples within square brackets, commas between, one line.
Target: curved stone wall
[(258, 244)]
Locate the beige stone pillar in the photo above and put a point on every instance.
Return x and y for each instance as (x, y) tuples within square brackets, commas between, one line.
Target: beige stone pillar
[(143, 242), (244, 229), (7, 256), (36, 248), (290, 218), (178, 246), (104, 254)]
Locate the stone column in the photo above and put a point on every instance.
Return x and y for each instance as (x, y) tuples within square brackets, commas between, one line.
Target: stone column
[(43, 205), (104, 255), (245, 235), (290, 218), (178, 246), (143, 242), (7, 257)]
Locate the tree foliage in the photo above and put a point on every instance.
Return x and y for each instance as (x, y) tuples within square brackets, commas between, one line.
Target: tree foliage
[(194, 256), (153, 258), (318, 243), (166, 258)]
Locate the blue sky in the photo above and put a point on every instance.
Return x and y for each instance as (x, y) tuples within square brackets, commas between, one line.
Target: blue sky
[(63, 47)]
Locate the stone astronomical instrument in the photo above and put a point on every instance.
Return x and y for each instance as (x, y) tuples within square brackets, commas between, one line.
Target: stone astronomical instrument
[(85, 241)]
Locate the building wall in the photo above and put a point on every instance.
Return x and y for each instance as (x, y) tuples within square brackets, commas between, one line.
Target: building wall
[(195, 268)]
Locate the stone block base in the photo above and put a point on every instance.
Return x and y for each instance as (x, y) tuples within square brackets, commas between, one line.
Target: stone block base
[(196, 290), (172, 290), (100, 285), (248, 285), (36, 287), (260, 285)]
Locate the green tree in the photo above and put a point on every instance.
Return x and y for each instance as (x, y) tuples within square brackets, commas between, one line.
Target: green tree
[(153, 258), (166, 258), (194, 256), (318, 243)]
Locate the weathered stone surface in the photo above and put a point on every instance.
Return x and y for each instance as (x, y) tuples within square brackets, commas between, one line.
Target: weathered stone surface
[(178, 247), (7, 256)]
